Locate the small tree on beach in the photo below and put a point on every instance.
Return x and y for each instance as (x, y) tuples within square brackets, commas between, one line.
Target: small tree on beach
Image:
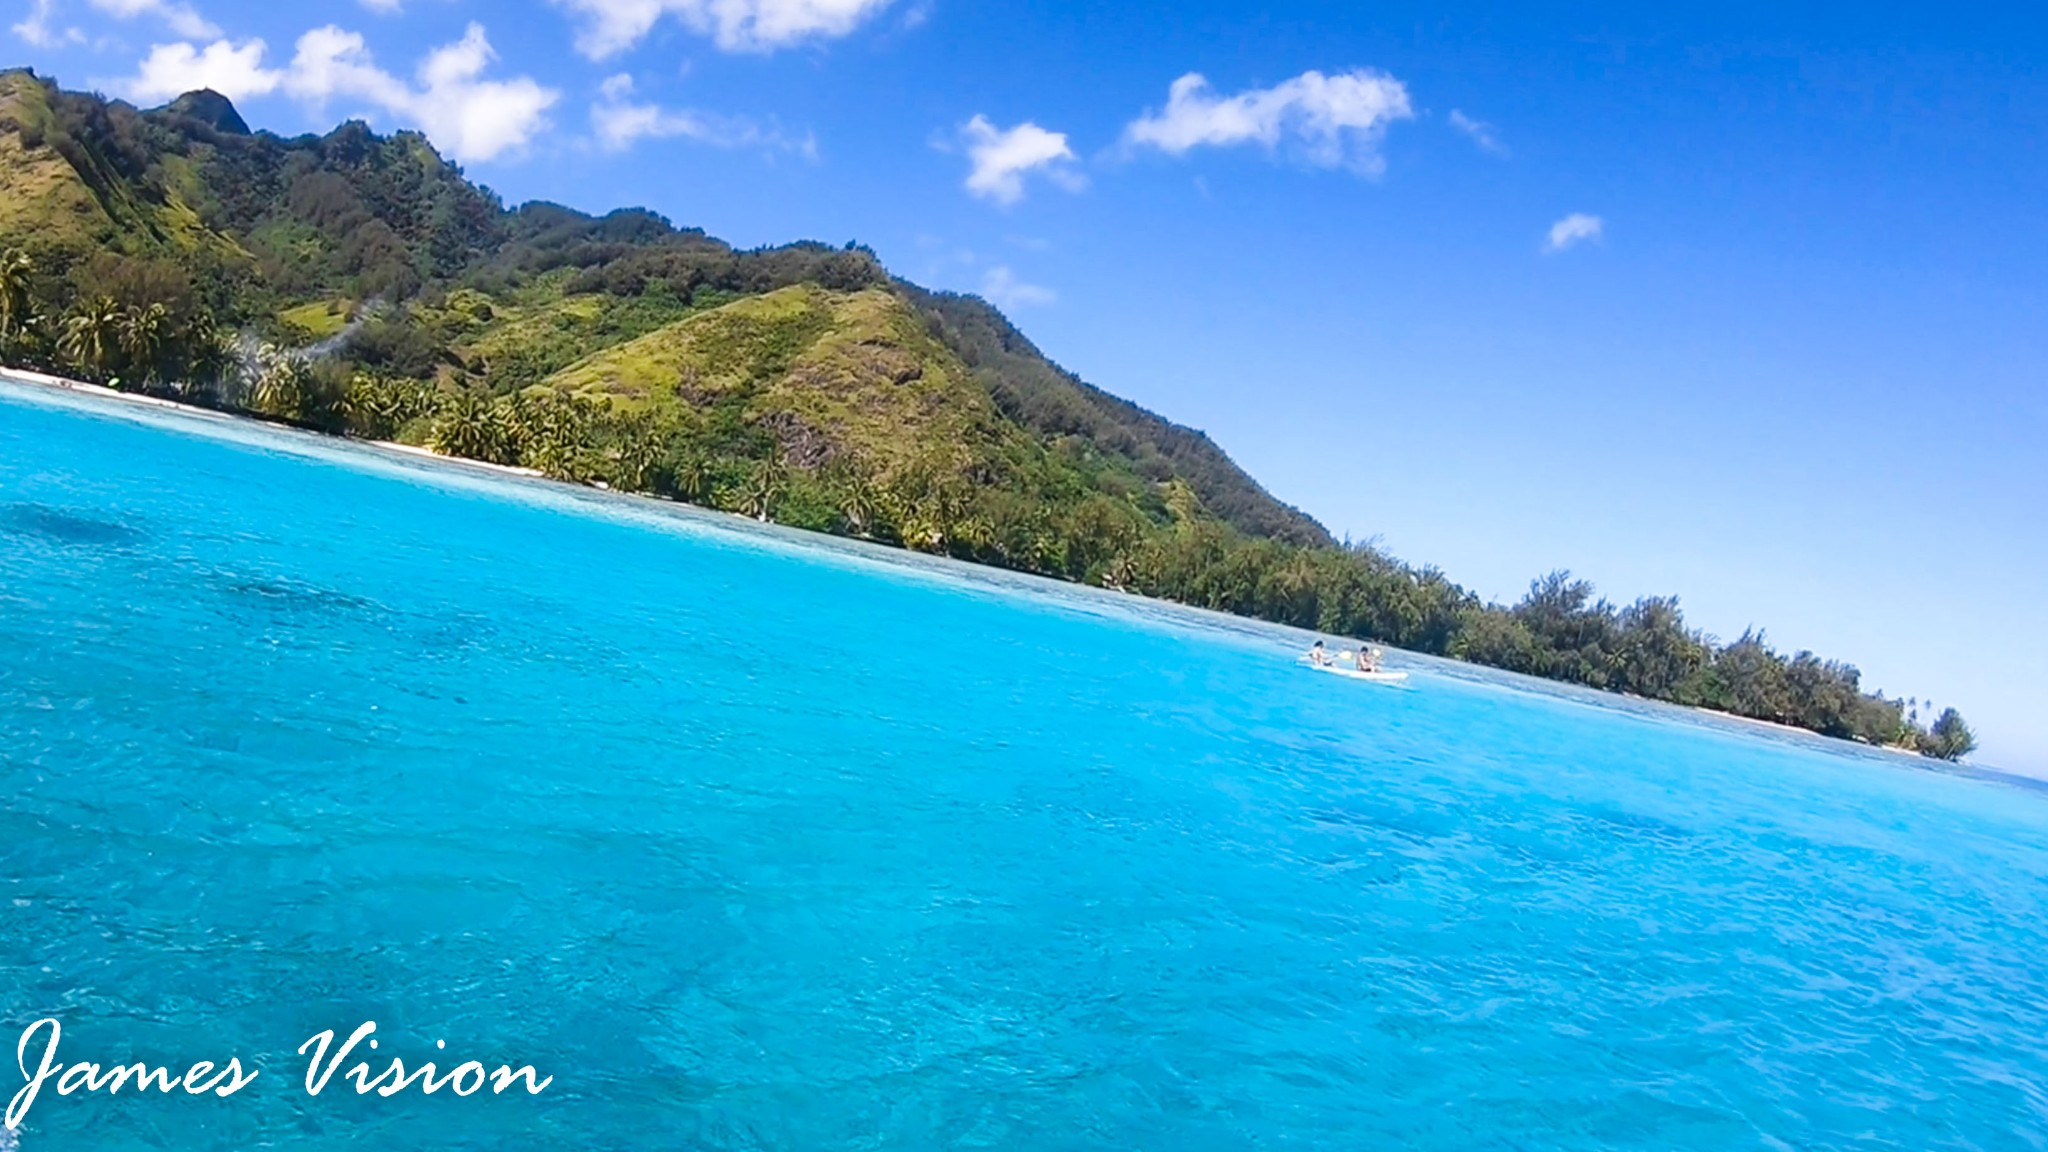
[(376, 407), (146, 338), (763, 488), (17, 298), (639, 446), (858, 501), (217, 366), (199, 357), (467, 425), (684, 474), (554, 432), (1950, 738), (282, 385), (91, 340)]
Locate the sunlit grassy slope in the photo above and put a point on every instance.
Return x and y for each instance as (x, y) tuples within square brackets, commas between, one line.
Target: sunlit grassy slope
[(855, 370)]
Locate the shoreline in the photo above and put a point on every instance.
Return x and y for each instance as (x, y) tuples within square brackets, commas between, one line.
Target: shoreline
[(45, 380), (418, 452), (1794, 729), (102, 392), (463, 463)]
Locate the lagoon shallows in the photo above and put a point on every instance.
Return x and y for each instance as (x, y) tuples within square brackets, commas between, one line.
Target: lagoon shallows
[(758, 844)]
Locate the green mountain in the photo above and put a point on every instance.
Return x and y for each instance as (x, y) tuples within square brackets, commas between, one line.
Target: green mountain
[(385, 295), (301, 231)]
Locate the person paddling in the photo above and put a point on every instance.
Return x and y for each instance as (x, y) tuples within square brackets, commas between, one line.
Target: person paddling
[(1319, 656)]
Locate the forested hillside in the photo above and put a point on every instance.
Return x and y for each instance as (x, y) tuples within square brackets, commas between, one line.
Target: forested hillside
[(359, 284)]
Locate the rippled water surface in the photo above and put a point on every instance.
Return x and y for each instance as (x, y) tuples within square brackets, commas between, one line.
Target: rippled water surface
[(754, 845)]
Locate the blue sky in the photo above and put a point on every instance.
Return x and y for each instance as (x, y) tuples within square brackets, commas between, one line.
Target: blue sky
[(1743, 303)]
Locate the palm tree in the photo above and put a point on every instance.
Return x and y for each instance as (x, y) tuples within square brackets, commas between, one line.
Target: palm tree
[(1950, 738), (214, 363), (468, 426), (1294, 593), (641, 449), (146, 337), (16, 299), (921, 529), (92, 337), (1122, 574), (187, 350), (972, 536), (281, 384), (1048, 551), (367, 407), (691, 478), (557, 434), (29, 345), (858, 502), (763, 489)]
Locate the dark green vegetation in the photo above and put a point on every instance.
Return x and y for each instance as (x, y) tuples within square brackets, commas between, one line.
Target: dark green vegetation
[(359, 284)]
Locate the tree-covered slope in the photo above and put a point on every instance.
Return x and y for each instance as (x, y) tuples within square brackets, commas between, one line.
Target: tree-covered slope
[(360, 284), (1054, 402), (294, 233), (70, 196)]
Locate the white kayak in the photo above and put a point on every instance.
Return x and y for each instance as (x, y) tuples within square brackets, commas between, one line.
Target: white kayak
[(1355, 674)]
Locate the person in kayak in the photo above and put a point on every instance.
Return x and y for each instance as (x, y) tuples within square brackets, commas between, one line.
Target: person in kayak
[(1368, 659), (1320, 656)]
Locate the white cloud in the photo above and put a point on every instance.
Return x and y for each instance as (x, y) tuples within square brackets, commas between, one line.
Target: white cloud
[(1002, 157), (383, 7), (332, 62), (1482, 133), (1332, 121), (465, 115), (613, 26), (469, 117), (172, 70), (621, 122), (182, 19), (1000, 286), (37, 30), (1574, 229)]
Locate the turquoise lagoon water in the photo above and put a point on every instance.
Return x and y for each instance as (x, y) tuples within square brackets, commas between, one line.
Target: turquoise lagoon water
[(757, 844)]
